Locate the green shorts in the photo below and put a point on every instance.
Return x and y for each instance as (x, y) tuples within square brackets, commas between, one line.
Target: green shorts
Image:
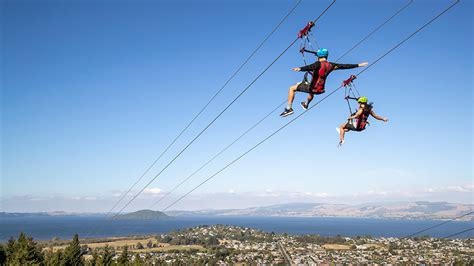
[(303, 87), (350, 126)]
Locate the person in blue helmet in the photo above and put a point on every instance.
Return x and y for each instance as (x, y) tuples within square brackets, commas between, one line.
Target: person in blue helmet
[(320, 70)]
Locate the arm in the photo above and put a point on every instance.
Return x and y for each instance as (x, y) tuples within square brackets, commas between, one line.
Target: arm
[(378, 117), (348, 66), (358, 113), (314, 66)]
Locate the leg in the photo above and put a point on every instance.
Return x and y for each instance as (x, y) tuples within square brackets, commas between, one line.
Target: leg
[(342, 131), (305, 105), (310, 98), (291, 95)]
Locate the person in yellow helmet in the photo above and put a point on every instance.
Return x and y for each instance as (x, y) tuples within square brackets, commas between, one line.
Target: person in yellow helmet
[(361, 117)]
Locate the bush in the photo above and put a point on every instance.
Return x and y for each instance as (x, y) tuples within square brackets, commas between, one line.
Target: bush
[(139, 245)]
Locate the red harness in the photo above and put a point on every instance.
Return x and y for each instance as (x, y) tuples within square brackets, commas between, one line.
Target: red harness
[(362, 119), (319, 85)]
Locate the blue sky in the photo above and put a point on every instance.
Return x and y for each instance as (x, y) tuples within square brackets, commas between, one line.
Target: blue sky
[(93, 91)]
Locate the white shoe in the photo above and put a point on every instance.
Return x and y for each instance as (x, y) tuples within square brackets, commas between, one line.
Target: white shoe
[(338, 130), (340, 143)]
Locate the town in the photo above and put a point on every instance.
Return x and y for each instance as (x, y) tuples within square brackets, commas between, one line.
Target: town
[(232, 245)]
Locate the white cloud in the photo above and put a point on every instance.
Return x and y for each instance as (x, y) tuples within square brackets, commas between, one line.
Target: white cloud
[(152, 191), (458, 188), (322, 195), (91, 198), (377, 193), (455, 193)]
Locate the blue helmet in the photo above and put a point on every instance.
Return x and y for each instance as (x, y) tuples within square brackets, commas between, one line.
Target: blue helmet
[(322, 52)]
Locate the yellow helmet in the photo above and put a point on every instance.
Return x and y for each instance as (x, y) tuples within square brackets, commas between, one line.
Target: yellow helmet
[(362, 99)]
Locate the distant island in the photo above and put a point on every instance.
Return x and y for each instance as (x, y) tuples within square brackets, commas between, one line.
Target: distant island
[(142, 215)]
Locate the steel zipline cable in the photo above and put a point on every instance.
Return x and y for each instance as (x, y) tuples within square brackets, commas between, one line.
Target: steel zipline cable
[(213, 158), (217, 117), (458, 233), (411, 35), (206, 105), (168, 193), (439, 224), (376, 29), (310, 108)]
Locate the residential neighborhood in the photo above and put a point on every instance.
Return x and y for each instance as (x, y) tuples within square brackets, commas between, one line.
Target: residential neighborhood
[(234, 245)]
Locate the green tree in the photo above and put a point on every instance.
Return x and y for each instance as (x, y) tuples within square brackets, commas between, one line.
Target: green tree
[(139, 245), (123, 259), (10, 247), (3, 255), (137, 261), (95, 260), (54, 258), (212, 241), (147, 259), (24, 251), (167, 239), (149, 244), (73, 253), (107, 256)]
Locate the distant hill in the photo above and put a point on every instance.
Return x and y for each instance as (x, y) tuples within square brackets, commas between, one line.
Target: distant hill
[(395, 210), (22, 214), (46, 214), (142, 215)]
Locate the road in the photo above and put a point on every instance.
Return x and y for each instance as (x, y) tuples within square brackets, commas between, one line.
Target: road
[(285, 254)]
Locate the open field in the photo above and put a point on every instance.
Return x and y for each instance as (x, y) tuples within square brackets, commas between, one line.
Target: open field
[(131, 243), (170, 248), (376, 246), (119, 243), (336, 247)]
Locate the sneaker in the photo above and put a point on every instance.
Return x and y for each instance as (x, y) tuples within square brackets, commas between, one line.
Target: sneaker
[(340, 143), (338, 130), (304, 105), (287, 112)]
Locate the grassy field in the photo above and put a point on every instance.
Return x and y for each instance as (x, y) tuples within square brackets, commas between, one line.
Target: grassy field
[(348, 247), (336, 247), (376, 246), (119, 243), (170, 248)]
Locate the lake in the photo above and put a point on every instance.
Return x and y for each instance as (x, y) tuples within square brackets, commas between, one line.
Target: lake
[(64, 227)]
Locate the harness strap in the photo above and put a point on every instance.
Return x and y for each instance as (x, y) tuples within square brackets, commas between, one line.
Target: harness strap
[(348, 85), (305, 30), (348, 81)]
